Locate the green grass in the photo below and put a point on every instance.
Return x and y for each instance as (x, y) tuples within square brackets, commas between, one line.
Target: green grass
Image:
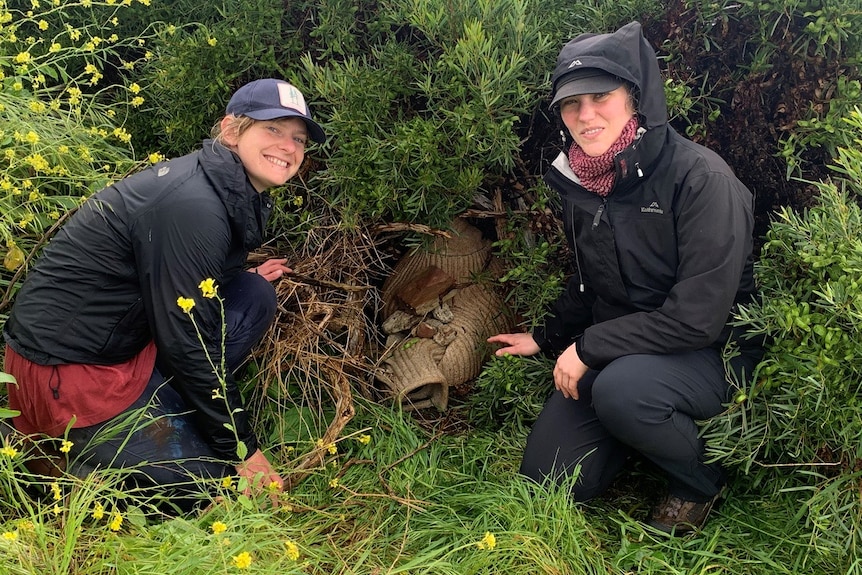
[(413, 500)]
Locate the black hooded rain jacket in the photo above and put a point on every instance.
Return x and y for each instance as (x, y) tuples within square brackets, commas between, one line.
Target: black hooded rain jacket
[(661, 261)]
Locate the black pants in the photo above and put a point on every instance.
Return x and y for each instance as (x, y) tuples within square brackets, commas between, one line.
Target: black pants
[(156, 438), (637, 403)]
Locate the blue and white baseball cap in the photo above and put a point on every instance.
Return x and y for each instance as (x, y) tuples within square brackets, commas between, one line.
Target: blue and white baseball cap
[(268, 99)]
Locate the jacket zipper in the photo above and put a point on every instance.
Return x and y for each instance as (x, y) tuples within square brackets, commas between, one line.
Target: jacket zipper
[(598, 217)]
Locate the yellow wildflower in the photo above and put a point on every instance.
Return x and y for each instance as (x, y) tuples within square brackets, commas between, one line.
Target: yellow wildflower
[(212, 41), (43, 25), (38, 162), (156, 157), (136, 101), (66, 446), (333, 482), (14, 258), (332, 449), (218, 527), (364, 439), (25, 221), (292, 550), (74, 95), (22, 57), (32, 137), (488, 541), (10, 535), (243, 560), (55, 489), (208, 288), (57, 509), (9, 451), (116, 522), (227, 482), (122, 135), (134, 88), (98, 511), (186, 304)]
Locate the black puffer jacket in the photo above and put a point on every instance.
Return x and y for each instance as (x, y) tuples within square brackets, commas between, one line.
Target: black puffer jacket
[(108, 282), (662, 259)]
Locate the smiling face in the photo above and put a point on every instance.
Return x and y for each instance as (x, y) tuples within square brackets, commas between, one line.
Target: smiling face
[(596, 121), (271, 151)]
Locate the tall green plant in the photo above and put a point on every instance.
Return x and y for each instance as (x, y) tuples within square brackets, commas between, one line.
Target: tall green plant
[(65, 98), (421, 121), (802, 414), (201, 63)]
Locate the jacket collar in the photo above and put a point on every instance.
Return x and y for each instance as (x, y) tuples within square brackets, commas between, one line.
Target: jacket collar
[(248, 210), (634, 163)]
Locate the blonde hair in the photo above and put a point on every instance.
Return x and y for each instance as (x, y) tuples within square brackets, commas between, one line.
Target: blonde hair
[(238, 125)]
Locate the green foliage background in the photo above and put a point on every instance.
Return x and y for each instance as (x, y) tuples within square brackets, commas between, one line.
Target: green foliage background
[(432, 107)]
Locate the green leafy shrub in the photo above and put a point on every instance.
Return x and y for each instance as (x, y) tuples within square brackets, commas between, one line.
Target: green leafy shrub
[(201, 63), (510, 392), (802, 413), (422, 120)]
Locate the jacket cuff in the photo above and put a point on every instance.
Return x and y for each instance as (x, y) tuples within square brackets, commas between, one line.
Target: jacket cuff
[(543, 342), (579, 345)]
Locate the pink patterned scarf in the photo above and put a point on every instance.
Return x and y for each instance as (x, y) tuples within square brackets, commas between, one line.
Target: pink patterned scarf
[(597, 172)]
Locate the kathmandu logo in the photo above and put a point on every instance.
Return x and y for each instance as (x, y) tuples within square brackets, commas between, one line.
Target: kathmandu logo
[(652, 209), (575, 63)]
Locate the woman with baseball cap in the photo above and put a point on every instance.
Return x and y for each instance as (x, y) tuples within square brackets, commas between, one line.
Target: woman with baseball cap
[(661, 235), (116, 339)]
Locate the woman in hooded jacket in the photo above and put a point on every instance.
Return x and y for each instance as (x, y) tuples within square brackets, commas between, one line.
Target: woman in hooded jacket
[(661, 234)]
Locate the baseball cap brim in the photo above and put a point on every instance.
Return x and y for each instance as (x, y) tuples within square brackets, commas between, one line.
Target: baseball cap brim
[(314, 130), (585, 81)]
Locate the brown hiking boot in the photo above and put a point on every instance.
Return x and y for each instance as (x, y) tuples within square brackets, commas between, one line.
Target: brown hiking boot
[(677, 516)]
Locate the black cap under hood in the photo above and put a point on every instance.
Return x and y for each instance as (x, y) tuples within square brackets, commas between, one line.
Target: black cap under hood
[(625, 54)]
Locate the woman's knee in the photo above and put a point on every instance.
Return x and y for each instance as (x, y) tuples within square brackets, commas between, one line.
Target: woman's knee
[(262, 296)]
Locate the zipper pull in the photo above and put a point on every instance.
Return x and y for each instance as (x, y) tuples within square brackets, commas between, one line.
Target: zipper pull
[(638, 168), (597, 218)]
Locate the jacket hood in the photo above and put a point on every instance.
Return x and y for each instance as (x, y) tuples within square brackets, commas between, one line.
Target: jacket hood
[(625, 54)]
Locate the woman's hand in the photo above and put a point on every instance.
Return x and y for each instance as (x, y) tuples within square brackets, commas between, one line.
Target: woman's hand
[(272, 269), (259, 475), (568, 372), (516, 344)]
